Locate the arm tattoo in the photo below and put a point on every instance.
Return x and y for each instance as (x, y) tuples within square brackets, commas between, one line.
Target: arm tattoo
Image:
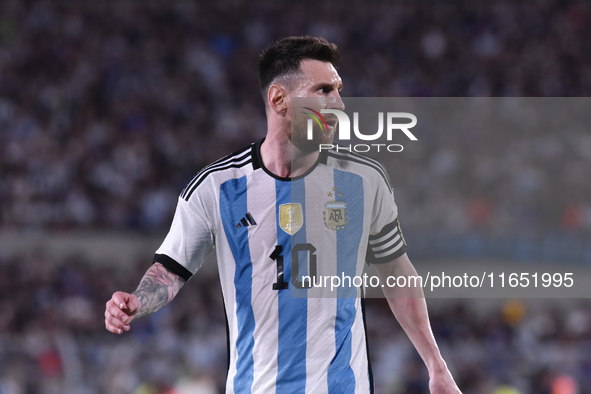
[(157, 288)]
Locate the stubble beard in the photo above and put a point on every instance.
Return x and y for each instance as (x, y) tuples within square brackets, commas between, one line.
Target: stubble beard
[(299, 139)]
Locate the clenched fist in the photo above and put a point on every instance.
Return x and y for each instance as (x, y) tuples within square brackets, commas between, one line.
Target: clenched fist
[(120, 311)]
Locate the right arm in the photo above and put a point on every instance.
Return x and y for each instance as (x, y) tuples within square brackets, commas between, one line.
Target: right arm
[(186, 246), (157, 288)]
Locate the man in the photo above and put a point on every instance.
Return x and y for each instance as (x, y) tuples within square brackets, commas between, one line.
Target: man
[(258, 206)]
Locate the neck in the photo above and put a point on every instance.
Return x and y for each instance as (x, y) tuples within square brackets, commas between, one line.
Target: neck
[(283, 159)]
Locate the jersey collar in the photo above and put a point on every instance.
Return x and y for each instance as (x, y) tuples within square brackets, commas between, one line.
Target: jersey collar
[(257, 162)]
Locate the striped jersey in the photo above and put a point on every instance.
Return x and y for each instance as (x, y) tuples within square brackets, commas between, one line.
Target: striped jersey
[(276, 239)]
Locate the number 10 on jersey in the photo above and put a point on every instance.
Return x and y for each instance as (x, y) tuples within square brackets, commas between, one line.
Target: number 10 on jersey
[(295, 265)]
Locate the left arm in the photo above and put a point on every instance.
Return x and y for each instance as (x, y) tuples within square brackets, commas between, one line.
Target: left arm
[(410, 309)]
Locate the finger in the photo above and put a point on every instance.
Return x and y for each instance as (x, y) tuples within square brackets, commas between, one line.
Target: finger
[(114, 310), (114, 319), (133, 304), (116, 322), (120, 299), (114, 329), (117, 313)]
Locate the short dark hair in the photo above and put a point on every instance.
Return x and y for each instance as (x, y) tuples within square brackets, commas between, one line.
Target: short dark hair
[(283, 57)]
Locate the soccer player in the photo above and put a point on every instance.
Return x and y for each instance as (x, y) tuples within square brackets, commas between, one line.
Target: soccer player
[(273, 208)]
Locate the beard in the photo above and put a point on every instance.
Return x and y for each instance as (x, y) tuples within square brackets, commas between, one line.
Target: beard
[(298, 134)]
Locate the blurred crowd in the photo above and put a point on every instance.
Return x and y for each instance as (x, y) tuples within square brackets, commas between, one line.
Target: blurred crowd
[(52, 338), (107, 109)]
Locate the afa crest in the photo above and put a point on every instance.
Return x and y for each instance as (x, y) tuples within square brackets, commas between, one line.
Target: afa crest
[(291, 218), (336, 216)]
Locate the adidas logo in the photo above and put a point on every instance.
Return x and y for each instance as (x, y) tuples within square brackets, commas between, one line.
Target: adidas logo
[(246, 221)]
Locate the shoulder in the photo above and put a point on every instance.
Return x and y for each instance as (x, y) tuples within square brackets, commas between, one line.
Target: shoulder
[(233, 164), (365, 166)]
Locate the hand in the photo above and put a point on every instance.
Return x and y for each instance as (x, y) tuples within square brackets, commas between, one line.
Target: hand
[(443, 383), (120, 311)]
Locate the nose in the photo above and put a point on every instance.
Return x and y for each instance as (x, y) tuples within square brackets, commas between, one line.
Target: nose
[(335, 101)]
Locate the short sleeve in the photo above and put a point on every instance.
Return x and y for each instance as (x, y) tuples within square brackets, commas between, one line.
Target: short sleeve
[(386, 241), (189, 241)]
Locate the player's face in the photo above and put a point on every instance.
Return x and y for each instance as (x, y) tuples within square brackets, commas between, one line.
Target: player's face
[(321, 80)]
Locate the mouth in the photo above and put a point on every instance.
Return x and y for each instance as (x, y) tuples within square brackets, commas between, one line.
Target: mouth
[(331, 122)]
